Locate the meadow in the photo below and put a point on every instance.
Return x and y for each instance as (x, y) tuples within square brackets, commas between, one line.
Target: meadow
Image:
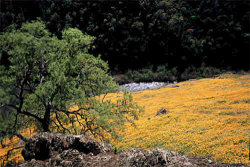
[(207, 117)]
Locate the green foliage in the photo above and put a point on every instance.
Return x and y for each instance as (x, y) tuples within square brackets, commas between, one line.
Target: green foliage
[(47, 78), (117, 150), (135, 34), (5, 124), (218, 32), (200, 72), (161, 74), (129, 35)]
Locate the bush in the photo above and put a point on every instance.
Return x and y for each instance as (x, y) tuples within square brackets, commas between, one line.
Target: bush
[(199, 72), (161, 74)]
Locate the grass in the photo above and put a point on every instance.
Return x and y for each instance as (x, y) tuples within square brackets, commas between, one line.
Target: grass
[(208, 117)]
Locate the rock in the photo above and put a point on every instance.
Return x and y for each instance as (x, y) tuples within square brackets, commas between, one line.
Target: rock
[(161, 112), (54, 150), (172, 86), (210, 161), (20, 142), (142, 86), (45, 145), (147, 86)]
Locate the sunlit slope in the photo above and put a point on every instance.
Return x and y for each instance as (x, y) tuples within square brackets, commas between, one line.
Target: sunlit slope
[(208, 117), (13, 148)]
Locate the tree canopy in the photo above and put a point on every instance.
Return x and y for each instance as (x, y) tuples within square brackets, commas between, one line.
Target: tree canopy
[(55, 85), (141, 33)]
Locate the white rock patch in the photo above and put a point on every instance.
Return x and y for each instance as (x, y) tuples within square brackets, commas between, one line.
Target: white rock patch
[(142, 86)]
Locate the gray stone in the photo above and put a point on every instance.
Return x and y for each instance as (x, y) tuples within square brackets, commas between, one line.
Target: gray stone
[(161, 112), (44, 145), (142, 86), (77, 151)]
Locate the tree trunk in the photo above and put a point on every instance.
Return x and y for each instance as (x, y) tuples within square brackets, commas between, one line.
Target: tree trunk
[(46, 120), (45, 126)]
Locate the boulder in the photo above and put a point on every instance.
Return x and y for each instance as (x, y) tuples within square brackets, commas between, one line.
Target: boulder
[(45, 145), (54, 150), (161, 112)]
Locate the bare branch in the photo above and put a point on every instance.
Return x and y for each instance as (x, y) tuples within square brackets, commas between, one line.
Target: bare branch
[(16, 118), (24, 112), (60, 123), (9, 152), (20, 136), (11, 105), (57, 126), (104, 97), (80, 123), (32, 115)]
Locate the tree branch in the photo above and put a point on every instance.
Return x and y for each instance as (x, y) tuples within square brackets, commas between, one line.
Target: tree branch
[(57, 118), (32, 115), (25, 112), (9, 152), (20, 136), (104, 97)]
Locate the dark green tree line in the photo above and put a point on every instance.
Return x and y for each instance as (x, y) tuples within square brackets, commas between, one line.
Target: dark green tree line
[(134, 34)]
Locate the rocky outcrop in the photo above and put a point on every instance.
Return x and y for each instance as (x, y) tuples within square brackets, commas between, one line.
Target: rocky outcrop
[(162, 111), (49, 149), (46, 145)]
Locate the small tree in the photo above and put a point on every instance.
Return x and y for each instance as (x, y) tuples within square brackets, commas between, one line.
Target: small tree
[(56, 85)]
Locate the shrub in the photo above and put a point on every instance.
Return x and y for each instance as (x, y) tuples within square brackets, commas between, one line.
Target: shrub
[(199, 72)]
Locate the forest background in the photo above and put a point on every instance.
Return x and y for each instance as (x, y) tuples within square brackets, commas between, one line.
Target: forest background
[(149, 40)]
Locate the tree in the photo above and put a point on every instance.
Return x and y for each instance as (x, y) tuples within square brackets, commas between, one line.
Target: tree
[(55, 85)]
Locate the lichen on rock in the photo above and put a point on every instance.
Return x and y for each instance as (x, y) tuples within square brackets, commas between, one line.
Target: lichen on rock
[(54, 149)]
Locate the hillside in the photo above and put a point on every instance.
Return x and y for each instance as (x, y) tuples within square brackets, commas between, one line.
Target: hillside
[(207, 117)]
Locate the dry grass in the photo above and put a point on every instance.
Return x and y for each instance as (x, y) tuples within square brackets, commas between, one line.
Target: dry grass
[(208, 117)]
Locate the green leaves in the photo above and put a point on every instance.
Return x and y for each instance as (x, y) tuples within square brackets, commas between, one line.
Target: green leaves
[(47, 78)]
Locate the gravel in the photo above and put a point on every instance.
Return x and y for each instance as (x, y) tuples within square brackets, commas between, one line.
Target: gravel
[(142, 86)]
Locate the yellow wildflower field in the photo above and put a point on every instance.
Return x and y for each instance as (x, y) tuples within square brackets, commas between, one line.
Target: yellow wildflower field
[(207, 117)]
